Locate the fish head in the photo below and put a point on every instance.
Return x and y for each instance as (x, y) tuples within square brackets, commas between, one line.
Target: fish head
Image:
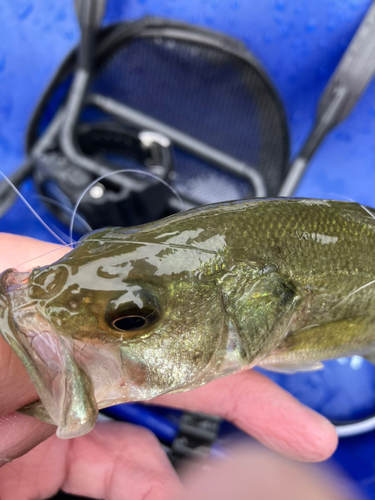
[(140, 319)]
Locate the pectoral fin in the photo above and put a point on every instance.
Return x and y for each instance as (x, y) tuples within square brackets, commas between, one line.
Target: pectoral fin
[(290, 368), (305, 349), (259, 303)]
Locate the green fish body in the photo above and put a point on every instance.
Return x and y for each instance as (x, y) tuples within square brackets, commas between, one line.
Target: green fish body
[(130, 314)]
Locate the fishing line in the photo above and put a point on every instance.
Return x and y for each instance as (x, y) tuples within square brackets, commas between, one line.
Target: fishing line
[(122, 171), (64, 207), (352, 201), (154, 244), (346, 198), (47, 253), (63, 235), (32, 210), (368, 211), (360, 288)]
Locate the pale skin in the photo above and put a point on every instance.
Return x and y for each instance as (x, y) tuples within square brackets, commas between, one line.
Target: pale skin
[(121, 461), (253, 472)]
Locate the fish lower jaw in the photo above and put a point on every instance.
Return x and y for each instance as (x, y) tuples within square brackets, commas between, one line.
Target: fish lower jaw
[(125, 394)]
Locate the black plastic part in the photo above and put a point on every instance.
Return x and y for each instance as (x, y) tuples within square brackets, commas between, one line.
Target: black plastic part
[(197, 433), (89, 13), (86, 46), (349, 80), (61, 495), (139, 200)]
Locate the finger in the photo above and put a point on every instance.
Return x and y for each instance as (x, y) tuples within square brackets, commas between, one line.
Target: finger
[(16, 249), (115, 461), (261, 408), (16, 388), (254, 472), (19, 434)]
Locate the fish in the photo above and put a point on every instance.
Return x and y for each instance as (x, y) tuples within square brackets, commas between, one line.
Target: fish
[(133, 313)]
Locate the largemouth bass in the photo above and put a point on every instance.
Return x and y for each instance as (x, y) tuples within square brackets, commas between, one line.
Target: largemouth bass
[(131, 314)]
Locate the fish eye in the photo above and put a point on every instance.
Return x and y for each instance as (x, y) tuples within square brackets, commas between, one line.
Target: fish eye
[(133, 315), (133, 322)]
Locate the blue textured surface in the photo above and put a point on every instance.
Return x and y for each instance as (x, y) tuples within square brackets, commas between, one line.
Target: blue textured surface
[(164, 429), (342, 391), (299, 42)]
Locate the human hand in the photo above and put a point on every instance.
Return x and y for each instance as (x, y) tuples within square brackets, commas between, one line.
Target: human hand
[(118, 460), (253, 472)]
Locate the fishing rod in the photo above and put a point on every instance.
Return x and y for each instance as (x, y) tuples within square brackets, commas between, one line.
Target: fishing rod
[(348, 82)]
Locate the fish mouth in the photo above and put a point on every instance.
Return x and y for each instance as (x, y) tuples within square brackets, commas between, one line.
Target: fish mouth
[(11, 282), (13, 286), (20, 321), (32, 338), (21, 309)]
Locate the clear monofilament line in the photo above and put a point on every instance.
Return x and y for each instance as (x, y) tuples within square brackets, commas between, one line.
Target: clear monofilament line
[(360, 288), (44, 254), (67, 209), (122, 171), (32, 210), (353, 201), (60, 233)]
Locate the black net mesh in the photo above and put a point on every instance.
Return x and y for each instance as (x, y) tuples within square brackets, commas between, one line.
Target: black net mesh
[(214, 96)]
